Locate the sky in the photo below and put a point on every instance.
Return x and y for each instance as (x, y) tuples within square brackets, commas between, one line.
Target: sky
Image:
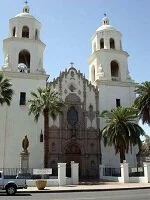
[(68, 25)]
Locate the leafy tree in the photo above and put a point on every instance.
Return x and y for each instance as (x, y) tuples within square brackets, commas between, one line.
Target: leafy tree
[(47, 102), (145, 148), (142, 102), (6, 92), (121, 130)]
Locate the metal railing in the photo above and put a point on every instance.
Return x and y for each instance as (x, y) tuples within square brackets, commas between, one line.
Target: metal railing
[(136, 171), (108, 171)]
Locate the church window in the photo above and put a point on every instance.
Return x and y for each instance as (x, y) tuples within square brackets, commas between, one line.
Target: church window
[(25, 32), (24, 57), (41, 136), (114, 71), (101, 43), (72, 116), (22, 98), (14, 31), (112, 43), (118, 103), (36, 35)]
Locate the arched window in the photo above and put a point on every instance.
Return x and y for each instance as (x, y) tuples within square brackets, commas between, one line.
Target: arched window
[(114, 71), (25, 32), (72, 116), (36, 35), (101, 43), (112, 43), (14, 31), (24, 57)]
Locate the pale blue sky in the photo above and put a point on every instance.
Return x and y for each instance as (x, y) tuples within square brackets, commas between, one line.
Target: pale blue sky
[(67, 27)]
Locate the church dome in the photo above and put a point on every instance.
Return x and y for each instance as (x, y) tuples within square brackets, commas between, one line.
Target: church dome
[(25, 13), (105, 25)]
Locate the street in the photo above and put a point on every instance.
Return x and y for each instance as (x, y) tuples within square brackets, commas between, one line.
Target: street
[(99, 195)]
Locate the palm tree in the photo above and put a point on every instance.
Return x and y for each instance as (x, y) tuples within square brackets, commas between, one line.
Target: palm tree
[(121, 130), (142, 102), (47, 102), (6, 92)]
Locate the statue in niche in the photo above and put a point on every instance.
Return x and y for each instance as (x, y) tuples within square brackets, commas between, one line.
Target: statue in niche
[(25, 144), (100, 71)]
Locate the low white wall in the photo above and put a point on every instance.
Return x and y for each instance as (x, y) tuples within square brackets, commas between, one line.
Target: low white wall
[(111, 178), (68, 181), (137, 180)]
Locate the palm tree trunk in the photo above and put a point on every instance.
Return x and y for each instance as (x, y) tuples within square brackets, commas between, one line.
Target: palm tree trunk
[(122, 155), (46, 138)]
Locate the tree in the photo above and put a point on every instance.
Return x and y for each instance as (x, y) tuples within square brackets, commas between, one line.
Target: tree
[(142, 102), (121, 130), (6, 92), (145, 148), (46, 102)]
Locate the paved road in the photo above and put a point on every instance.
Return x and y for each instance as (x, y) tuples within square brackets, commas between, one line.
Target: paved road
[(142, 194)]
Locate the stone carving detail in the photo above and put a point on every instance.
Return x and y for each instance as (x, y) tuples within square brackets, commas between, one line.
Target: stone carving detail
[(72, 73), (79, 92), (72, 88), (65, 91)]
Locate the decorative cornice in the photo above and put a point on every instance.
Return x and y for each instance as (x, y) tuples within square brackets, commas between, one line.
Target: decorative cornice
[(24, 40), (115, 83), (114, 51), (79, 74), (24, 75)]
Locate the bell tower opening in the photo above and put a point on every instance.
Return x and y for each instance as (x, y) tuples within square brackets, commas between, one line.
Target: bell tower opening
[(114, 71), (101, 43), (14, 32), (112, 43), (24, 57), (25, 32)]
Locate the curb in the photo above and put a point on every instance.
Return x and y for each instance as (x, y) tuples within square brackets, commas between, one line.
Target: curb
[(81, 190)]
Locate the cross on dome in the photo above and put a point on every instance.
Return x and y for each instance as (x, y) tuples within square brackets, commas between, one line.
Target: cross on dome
[(105, 20), (26, 8)]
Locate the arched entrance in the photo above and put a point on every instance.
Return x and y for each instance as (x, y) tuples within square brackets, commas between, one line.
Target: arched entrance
[(72, 153)]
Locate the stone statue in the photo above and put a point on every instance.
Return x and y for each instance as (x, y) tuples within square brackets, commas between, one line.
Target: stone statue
[(25, 144)]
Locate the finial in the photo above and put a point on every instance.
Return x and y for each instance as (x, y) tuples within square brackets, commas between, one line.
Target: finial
[(26, 8), (26, 2), (105, 15), (72, 64)]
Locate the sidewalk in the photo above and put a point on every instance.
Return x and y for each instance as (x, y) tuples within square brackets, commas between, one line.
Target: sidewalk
[(105, 186)]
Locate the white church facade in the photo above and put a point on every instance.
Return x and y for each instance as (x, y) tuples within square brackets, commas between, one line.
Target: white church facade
[(73, 136)]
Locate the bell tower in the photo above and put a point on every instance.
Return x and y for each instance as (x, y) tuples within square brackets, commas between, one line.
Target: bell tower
[(108, 60), (23, 49), (108, 68)]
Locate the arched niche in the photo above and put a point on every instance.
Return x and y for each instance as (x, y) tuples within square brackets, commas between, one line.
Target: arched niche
[(25, 32), (24, 57), (114, 66)]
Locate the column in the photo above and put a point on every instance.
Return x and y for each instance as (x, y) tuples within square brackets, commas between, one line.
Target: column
[(75, 173), (62, 174), (124, 172)]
